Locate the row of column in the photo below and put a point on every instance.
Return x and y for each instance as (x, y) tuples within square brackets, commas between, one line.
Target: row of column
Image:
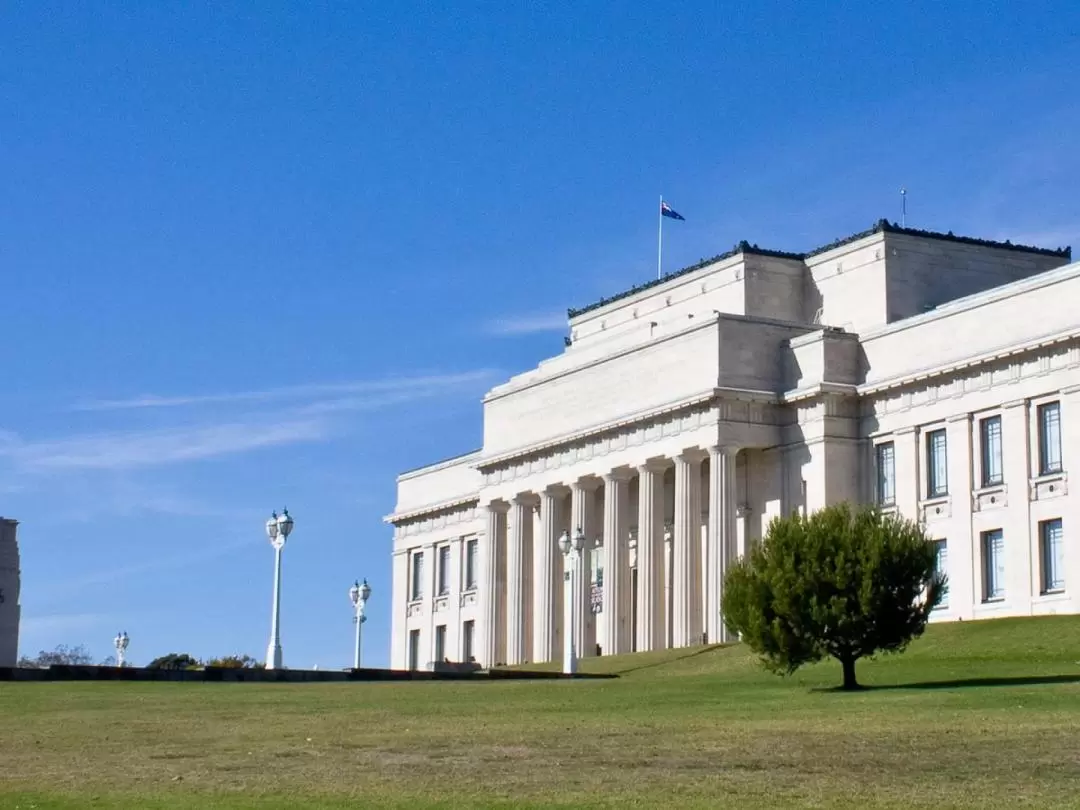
[(523, 569)]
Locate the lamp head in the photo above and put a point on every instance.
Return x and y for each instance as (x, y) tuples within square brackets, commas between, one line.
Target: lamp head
[(354, 593), (564, 542), (272, 526), (285, 523), (579, 539), (365, 591)]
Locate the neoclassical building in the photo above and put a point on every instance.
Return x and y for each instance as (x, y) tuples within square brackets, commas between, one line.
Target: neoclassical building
[(936, 375)]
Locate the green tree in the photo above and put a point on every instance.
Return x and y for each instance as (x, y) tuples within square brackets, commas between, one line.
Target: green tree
[(63, 654), (236, 662), (174, 661), (845, 582)]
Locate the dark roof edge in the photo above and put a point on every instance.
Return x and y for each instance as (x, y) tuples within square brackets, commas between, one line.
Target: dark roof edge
[(881, 226)]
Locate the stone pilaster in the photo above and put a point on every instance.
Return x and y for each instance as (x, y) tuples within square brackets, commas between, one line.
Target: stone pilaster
[(685, 551), (494, 649), (518, 561), (650, 557), (616, 564), (546, 570), (582, 507)]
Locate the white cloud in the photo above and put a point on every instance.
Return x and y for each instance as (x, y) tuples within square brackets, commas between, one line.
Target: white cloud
[(528, 324), (405, 385), (116, 451)]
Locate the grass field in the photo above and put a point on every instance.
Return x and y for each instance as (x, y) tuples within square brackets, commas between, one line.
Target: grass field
[(979, 714)]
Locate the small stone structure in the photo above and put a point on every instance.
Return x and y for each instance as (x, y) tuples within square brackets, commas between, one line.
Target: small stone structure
[(9, 593)]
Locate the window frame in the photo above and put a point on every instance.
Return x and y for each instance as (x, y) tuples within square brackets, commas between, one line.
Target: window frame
[(471, 575), (416, 576), (468, 640), (1047, 586), (883, 482), (1047, 465), (934, 487), (941, 544), (442, 573), (992, 538), (986, 479), (414, 650), (440, 644)]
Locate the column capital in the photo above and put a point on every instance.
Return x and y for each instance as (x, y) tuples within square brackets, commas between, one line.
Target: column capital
[(617, 475), (654, 465), (497, 505), (728, 450), (526, 499), (555, 490), (691, 455), (586, 483)]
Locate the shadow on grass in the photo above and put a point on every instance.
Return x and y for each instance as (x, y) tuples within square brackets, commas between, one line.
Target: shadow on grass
[(666, 661), (960, 683)]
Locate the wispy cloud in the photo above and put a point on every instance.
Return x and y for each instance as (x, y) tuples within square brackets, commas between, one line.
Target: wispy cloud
[(126, 450), (527, 324), (59, 623), (405, 385)]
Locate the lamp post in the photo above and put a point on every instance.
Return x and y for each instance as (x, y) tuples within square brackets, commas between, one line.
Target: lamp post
[(358, 595), (121, 644), (278, 529), (572, 552)]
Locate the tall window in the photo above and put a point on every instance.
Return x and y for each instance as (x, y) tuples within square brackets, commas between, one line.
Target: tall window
[(417, 589), (468, 634), (440, 643), (414, 649), (444, 571), (937, 468), (993, 551), (1049, 438), (886, 474), (941, 565), (1052, 552), (472, 552), (990, 441)]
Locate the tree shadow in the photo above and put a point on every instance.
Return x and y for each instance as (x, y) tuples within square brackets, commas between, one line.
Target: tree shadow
[(961, 683), (710, 648)]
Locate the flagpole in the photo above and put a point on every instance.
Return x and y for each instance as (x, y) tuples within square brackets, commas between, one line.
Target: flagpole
[(660, 238)]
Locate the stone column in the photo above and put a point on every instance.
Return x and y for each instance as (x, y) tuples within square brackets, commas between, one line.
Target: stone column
[(494, 649), (399, 625), (684, 556), (650, 557), (518, 549), (582, 501), (723, 531), (546, 569), (616, 564)]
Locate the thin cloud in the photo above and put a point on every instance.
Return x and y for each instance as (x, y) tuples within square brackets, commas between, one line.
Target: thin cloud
[(58, 623), (387, 385), (117, 451), (527, 324)]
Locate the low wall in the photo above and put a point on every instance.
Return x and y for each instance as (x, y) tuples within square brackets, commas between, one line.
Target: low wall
[(221, 674)]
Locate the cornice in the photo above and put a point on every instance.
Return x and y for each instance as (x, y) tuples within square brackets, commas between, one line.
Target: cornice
[(432, 508)]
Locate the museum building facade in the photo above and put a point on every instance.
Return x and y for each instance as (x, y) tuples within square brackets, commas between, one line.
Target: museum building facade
[(936, 375)]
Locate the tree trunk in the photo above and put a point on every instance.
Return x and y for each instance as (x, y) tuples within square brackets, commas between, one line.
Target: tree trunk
[(849, 673)]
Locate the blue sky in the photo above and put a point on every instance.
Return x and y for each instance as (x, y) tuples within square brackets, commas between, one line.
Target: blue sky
[(262, 256)]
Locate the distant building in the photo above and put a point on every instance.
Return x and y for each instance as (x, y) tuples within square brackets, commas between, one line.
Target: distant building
[(936, 375), (9, 593)]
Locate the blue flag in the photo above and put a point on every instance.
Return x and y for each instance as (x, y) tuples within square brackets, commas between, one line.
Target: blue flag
[(667, 211)]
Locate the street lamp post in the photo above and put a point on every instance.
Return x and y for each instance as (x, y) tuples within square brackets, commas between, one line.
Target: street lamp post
[(121, 644), (358, 595), (278, 529), (572, 552)]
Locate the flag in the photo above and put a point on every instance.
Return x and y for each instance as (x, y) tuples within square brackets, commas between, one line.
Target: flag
[(667, 211)]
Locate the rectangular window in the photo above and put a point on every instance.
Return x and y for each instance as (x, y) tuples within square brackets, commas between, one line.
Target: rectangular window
[(440, 643), (468, 632), (937, 468), (990, 441), (1049, 438), (941, 565), (414, 649), (417, 590), (444, 570), (472, 552), (886, 474), (1052, 548), (993, 551)]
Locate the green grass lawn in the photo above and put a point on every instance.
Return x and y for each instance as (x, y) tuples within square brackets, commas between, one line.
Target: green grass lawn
[(978, 714)]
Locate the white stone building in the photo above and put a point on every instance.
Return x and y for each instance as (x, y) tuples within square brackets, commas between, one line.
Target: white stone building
[(937, 375)]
